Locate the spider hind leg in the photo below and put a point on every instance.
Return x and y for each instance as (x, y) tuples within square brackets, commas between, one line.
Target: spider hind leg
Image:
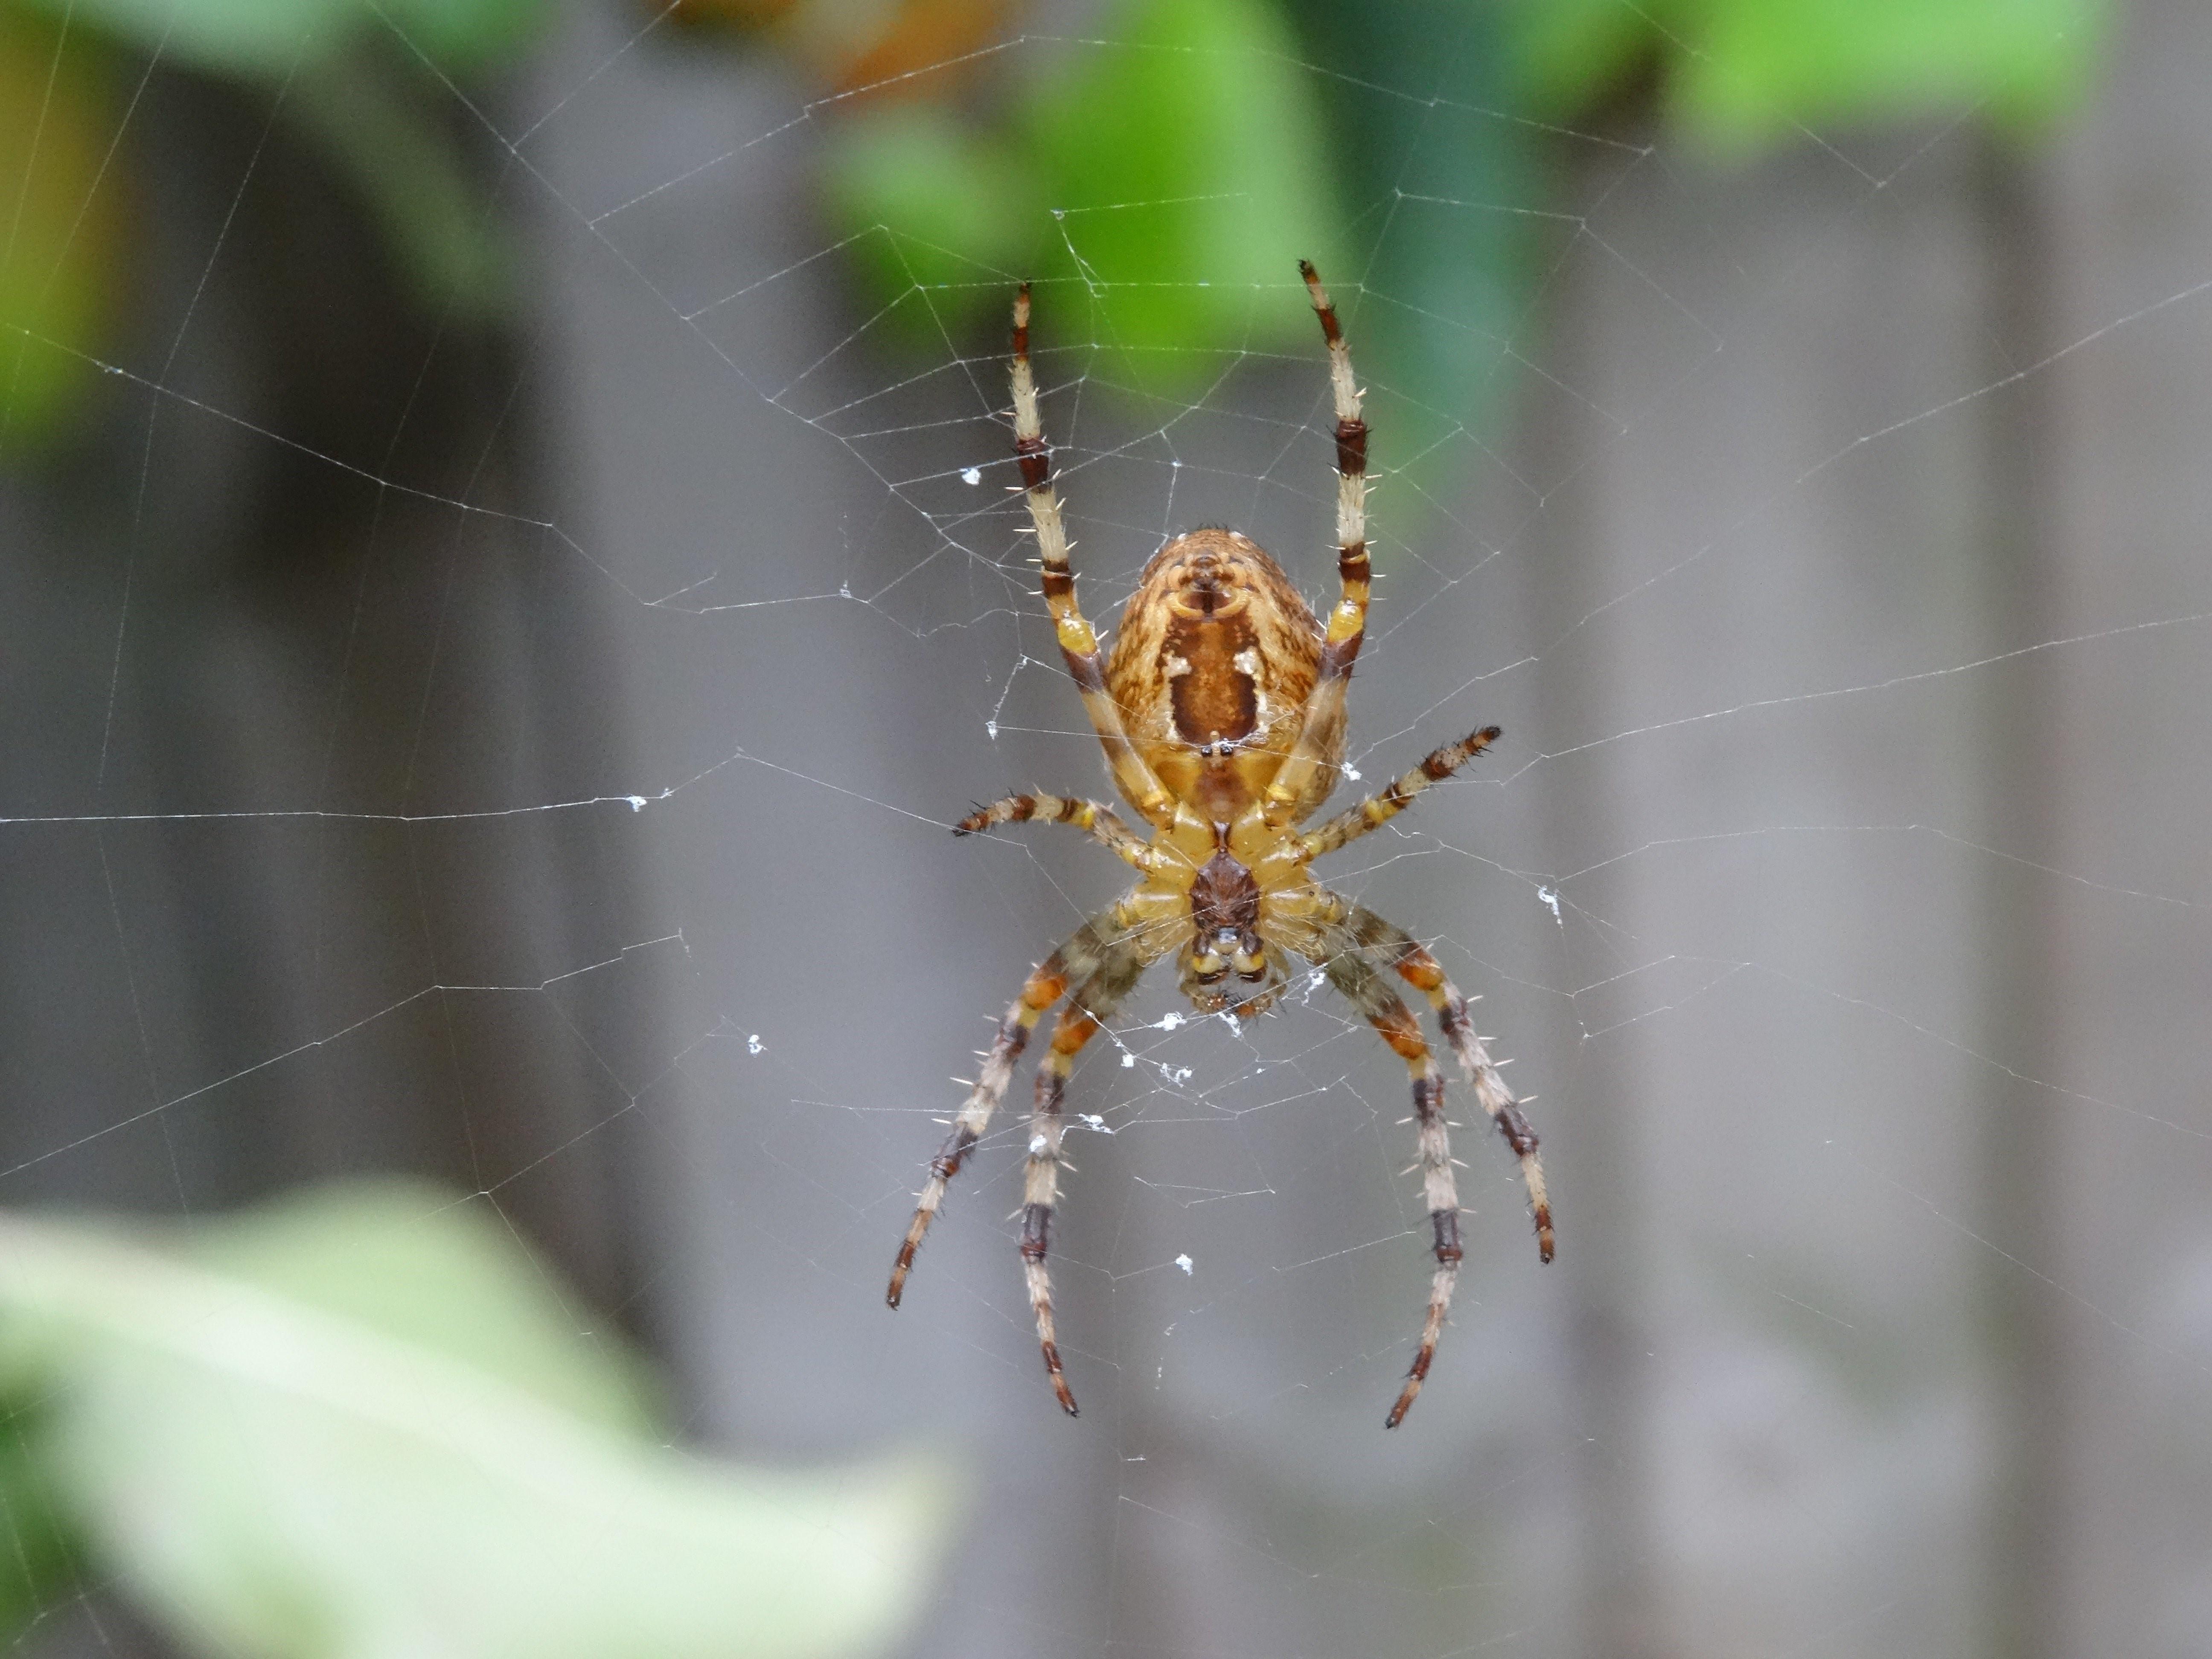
[(1412, 963), (1093, 1003), (1352, 973), (1074, 962)]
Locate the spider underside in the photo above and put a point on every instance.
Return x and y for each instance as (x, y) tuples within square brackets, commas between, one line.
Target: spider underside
[(1221, 710)]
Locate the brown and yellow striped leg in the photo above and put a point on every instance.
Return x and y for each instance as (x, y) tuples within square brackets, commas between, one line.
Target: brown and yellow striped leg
[(1353, 974), (1095, 818), (1078, 642), (1321, 730), (1394, 945), (1091, 1005), (1377, 810), (1075, 961)]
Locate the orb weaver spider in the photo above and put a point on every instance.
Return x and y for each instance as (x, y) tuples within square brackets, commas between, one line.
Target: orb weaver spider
[(1221, 710)]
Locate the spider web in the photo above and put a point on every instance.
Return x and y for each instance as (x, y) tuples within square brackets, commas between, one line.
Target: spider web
[(1837, 888)]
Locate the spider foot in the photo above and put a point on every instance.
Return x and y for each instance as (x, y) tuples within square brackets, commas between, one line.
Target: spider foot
[(1060, 1387)]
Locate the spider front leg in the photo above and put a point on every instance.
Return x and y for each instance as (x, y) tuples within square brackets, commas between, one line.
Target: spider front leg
[(1321, 722), (1095, 818), (1092, 1004), (1413, 963), (1074, 962), (1079, 641), (1379, 809), (1353, 974)]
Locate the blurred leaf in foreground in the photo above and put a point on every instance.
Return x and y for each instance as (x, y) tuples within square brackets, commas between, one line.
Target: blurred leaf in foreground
[(60, 223), (360, 1426), (40, 1565)]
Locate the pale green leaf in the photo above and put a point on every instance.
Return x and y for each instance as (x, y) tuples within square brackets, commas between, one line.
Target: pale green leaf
[(276, 1479), (439, 1271), (273, 38)]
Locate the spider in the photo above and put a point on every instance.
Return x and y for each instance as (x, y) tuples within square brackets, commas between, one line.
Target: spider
[(1221, 709)]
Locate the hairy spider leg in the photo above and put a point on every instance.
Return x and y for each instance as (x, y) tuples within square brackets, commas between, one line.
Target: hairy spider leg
[(1321, 720), (1378, 810), (1412, 963), (1078, 642), (1095, 818), (1088, 1009), (1353, 974), (1075, 961)]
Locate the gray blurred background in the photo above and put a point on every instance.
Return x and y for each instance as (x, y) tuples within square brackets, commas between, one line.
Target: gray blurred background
[(522, 756)]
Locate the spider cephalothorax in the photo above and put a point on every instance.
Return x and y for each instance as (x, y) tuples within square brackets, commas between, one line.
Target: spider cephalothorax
[(1221, 712)]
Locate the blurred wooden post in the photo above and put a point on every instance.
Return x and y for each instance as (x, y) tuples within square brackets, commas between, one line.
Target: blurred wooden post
[(2024, 768)]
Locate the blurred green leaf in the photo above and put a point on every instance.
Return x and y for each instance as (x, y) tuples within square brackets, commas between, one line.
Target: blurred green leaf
[(1568, 54), (1187, 172), (255, 37), (1171, 174), (272, 38), (282, 1455), (940, 211), (429, 1267), (60, 224), (448, 244), (39, 1566), (1756, 69), (1444, 198), (465, 34), (1741, 72)]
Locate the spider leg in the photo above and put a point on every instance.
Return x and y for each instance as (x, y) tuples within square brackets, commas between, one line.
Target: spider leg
[(1322, 720), (1393, 944), (1078, 642), (1073, 962), (1095, 818), (1088, 1009), (1352, 973), (1378, 810)]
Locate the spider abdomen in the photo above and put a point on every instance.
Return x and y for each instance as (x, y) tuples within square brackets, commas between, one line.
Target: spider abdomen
[(1212, 665)]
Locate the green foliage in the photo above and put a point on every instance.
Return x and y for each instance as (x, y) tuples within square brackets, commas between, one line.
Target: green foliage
[(273, 38), (1171, 177), (449, 245), (39, 1555), (1740, 73), (938, 212), (361, 1426), (1440, 178), (60, 224), (378, 115), (1176, 166), (1186, 173)]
